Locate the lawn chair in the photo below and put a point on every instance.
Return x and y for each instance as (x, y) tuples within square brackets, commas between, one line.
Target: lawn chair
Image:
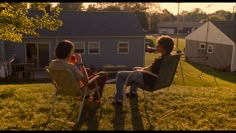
[(166, 74), (67, 85)]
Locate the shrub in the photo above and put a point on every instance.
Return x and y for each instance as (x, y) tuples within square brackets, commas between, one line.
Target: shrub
[(150, 42)]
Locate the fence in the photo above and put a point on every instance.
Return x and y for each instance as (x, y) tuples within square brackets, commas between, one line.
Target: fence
[(23, 70)]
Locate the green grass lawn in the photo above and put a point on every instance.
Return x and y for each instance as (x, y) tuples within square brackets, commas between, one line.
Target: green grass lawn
[(199, 98), (191, 74), (25, 107)]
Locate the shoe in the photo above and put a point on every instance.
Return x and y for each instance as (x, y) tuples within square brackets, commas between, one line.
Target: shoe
[(131, 95), (118, 103)]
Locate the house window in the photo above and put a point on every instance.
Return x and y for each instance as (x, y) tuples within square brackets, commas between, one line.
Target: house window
[(79, 47), (210, 49), (123, 47), (93, 47), (201, 47)]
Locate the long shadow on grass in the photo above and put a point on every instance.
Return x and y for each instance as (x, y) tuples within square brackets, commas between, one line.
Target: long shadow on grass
[(89, 118), (119, 119), (227, 76), (93, 120), (135, 115)]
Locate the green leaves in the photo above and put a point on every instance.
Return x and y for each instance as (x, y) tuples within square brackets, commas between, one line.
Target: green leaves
[(15, 21)]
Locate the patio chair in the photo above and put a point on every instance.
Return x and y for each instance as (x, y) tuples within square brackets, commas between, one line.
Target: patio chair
[(166, 74), (67, 85)]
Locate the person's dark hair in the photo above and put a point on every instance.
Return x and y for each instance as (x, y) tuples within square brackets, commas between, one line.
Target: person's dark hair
[(63, 49), (166, 42)]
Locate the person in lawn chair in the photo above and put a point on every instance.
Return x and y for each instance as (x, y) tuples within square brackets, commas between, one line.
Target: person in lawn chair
[(137, 79), (66, 59)]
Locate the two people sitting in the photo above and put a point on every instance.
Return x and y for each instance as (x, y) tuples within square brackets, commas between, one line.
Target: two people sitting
[(65, 51)]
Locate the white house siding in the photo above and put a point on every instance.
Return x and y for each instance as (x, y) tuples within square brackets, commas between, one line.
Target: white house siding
[(108, 50), (233, 64), (224, 47), (218, 59), (192, 54), (17, 50), (169, 31)]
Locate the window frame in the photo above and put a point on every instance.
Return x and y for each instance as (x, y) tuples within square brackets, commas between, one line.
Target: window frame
[(208, 48), (89, 47), (200, 49), (118, 47), (80, 43)]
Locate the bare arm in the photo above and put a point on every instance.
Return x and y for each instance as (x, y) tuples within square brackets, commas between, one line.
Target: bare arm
[(85, 78), (147, 68)]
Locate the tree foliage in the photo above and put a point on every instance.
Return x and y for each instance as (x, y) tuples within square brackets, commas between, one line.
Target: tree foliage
[(167, 16), (71, 6), (195, 15), (139, 8), (154, 20), (92, 8), (15, 21), (221, 15)]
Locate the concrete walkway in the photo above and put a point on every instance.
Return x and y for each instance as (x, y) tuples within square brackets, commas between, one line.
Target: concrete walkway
[(41, 75)]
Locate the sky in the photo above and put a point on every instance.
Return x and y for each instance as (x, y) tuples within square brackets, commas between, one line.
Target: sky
[(206, 7), (189, 6)]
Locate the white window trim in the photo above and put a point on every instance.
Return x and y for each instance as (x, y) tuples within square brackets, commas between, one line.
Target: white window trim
[(210, 47), (80, 43), (118, 47), (200, 49), (201, 45), (89, 43)]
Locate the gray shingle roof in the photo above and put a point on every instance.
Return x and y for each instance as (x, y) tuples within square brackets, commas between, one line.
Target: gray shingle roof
[(227, 27), (97, 24), (187, 24)]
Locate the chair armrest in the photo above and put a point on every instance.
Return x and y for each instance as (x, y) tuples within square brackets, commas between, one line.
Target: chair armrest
[(99, 73), (89, 82), (93, 79), (150, 73), (142, 71)]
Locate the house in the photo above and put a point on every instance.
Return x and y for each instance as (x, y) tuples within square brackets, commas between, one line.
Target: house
[(102, 38), (170, 27), (213, 44)]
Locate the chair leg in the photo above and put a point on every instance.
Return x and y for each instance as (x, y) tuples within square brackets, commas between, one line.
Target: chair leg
[(97, 90), (52, 109), (81, 106)]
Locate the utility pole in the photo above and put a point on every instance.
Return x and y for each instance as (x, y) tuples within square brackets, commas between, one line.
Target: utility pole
[(177, 33), (150, 22), (232, 18), (177, 45)]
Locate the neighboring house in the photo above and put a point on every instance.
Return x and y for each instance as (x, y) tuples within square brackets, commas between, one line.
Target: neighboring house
[(102, 38), (170, 28), (213, 44)]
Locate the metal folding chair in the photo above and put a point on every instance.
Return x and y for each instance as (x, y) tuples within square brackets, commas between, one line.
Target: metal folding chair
[(166, 74), (66, 85)]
